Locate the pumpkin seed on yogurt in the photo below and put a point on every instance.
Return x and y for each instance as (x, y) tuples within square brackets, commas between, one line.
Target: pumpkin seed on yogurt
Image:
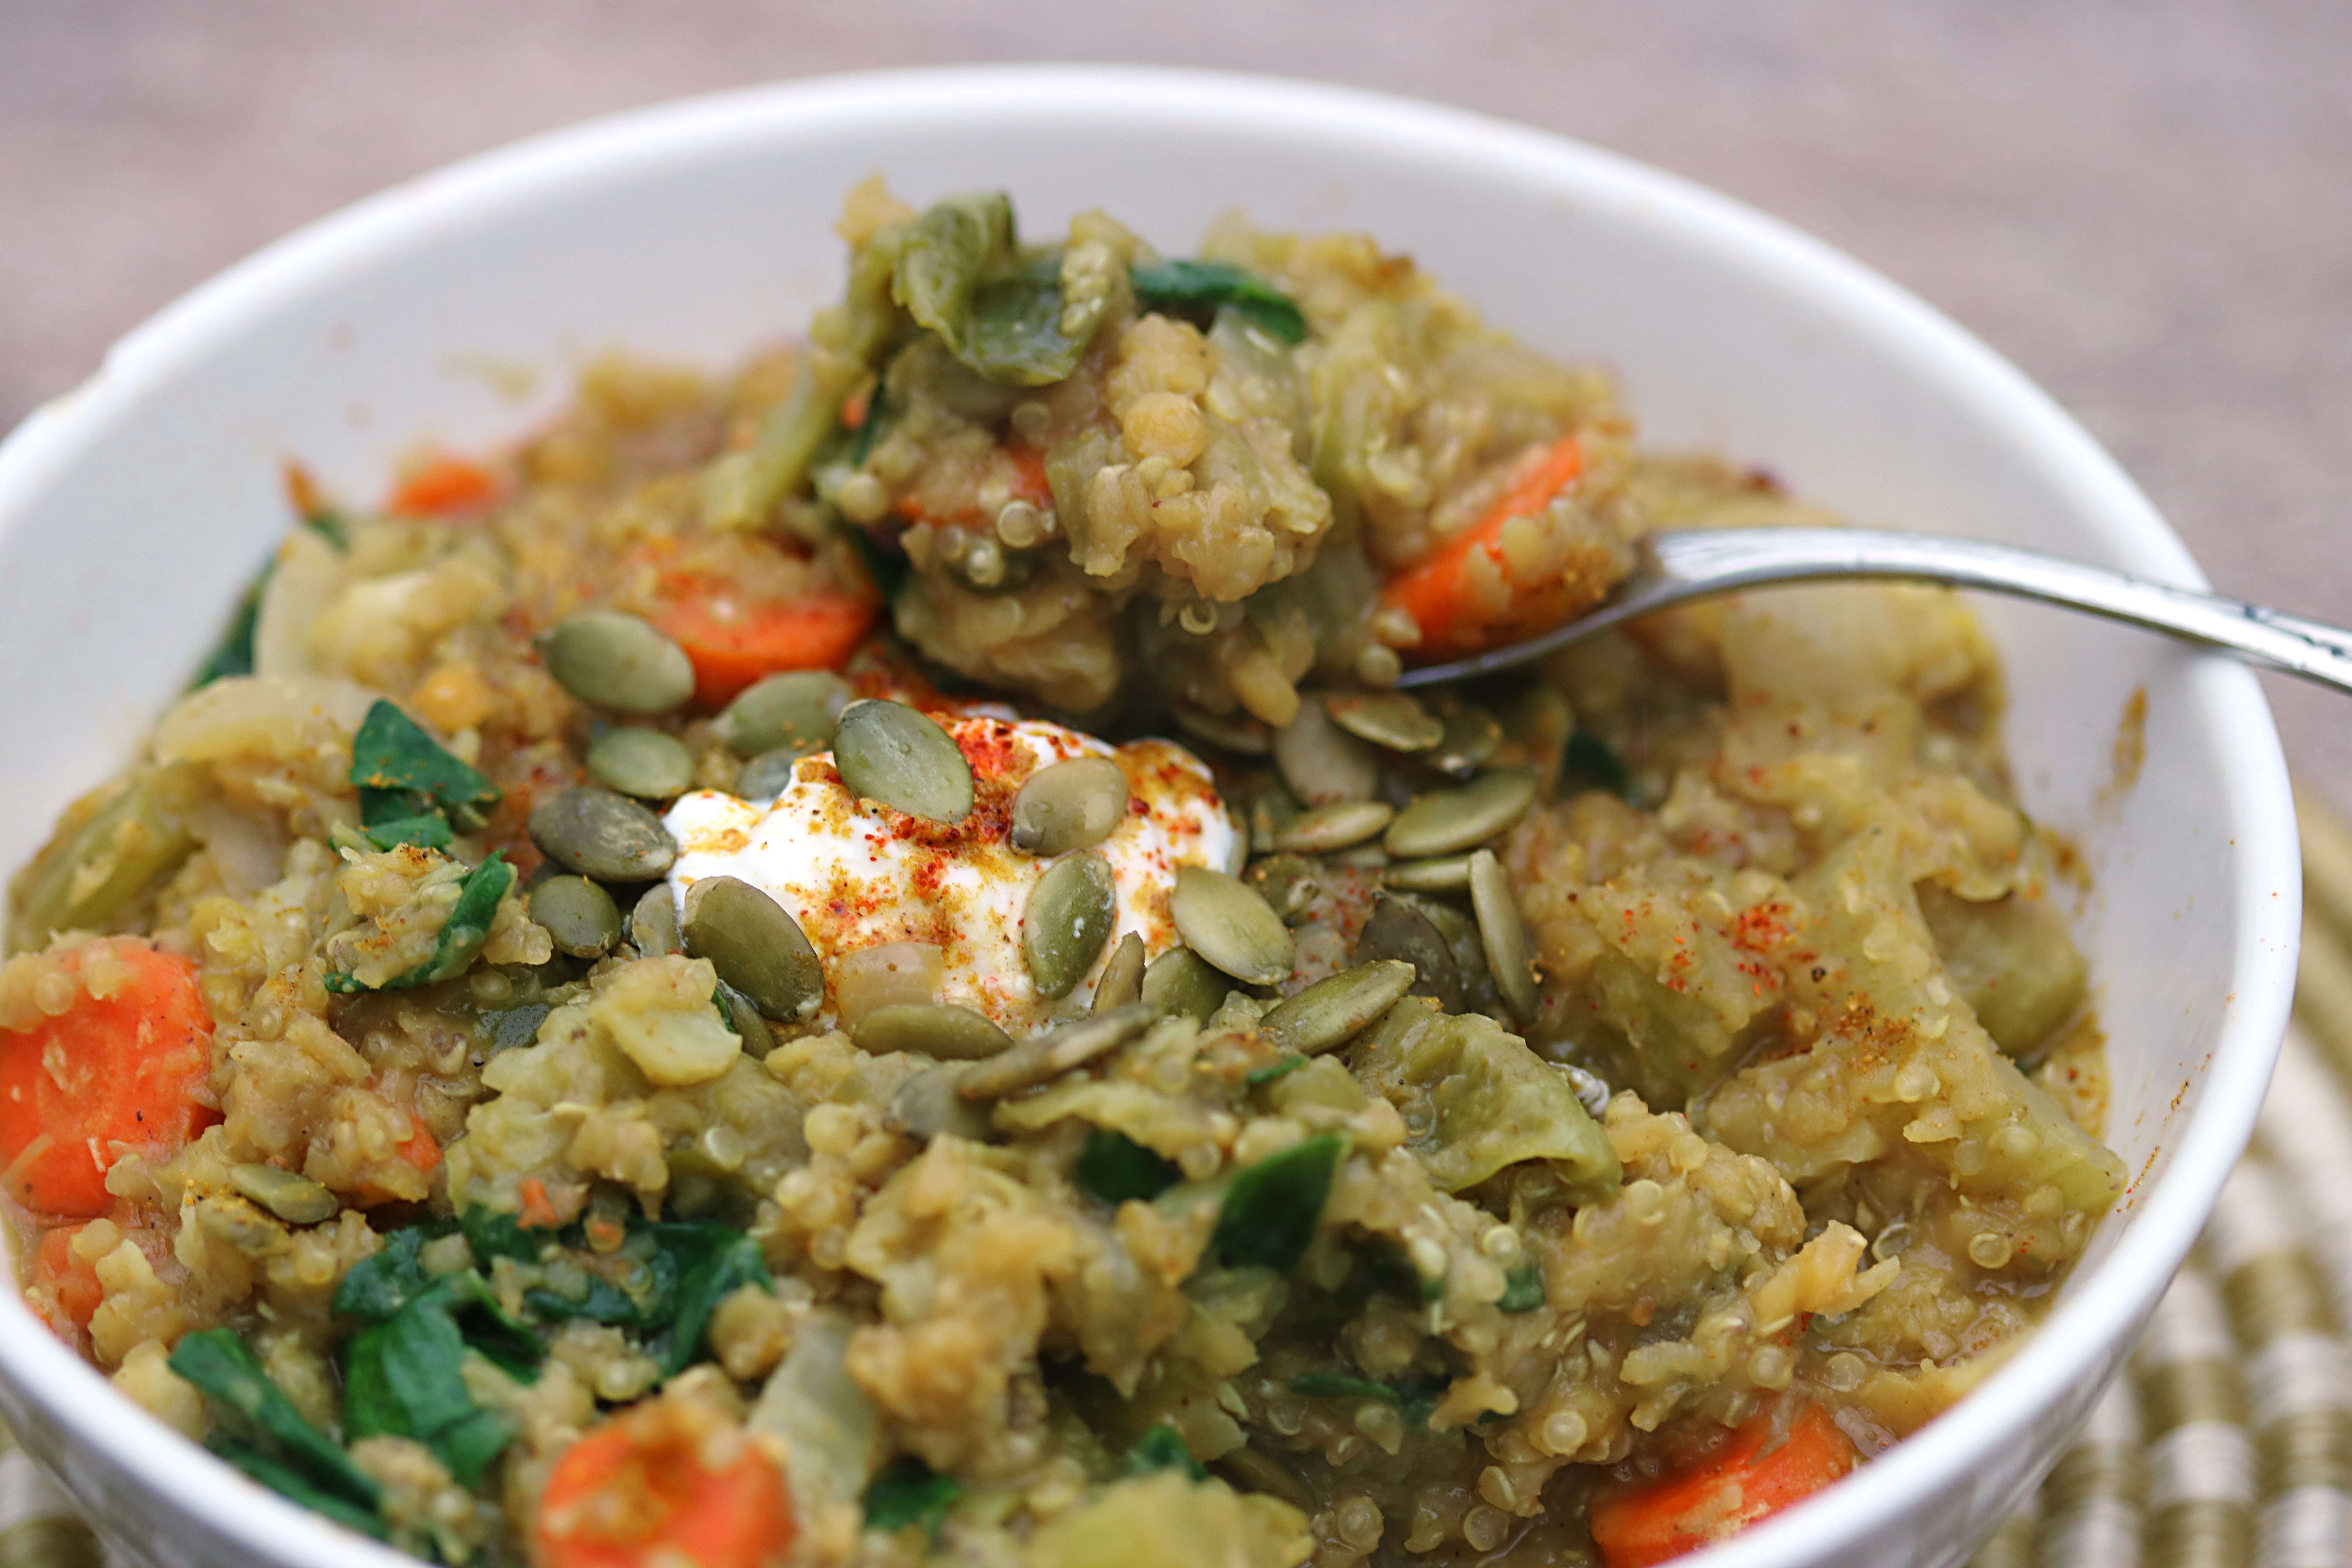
[(892, 754), (1326, 829), (1322, 764), (1390, 719), (1400, 931), (1508, 953), (1068, 805), (941, 1029), (794, 711), (1231, 925), (617, 661), (296, 1199), (1067, 923), (653, 923), (1447, 821), (580, 916), (645, 764), (1050, 1055), (1122, 978), (768, 774), (1332, 1009), (756, 946), (602, 835), (1179, 982)]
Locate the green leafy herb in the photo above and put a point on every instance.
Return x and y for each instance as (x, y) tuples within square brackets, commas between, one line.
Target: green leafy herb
[(909, 1491), (603, 1302), (234, 653), (713, 1260), (1164, 1448), (1270, 1210), (401, 1377), (1523, 1290), (401, 771), (430, 831), (264, 1432), (379, 1285), (462, 934), (493, 1233), (1273, 1071), (1198, 287), (1116, 1168), (1589, 762), (293, 1485), (329, 525)]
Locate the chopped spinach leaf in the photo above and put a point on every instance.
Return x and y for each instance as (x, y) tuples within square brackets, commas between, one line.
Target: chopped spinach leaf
[(1116, 1168), (234, 654), (909, 1491), (294, 1486), (1273, 1071), (430, 831), (1589, 762), (603, 1303), (400, 771), (1197, 288), (330, 526), (1164, 1448), (1270, 1210), (379, 1285), (1523, 1290), (401, 1377), (262, 1421), (493, 1233), (712, 1261)]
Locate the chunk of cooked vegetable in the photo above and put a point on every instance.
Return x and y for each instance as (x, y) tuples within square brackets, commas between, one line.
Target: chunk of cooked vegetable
[(1759, 1471)]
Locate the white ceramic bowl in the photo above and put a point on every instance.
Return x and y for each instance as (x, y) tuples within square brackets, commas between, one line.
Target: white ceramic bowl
[(132, 510)]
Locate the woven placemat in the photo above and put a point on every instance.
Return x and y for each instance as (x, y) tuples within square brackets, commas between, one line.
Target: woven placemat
[(2228, 1444)]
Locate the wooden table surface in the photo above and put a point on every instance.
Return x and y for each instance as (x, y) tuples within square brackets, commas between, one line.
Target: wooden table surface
[(2146, 203)]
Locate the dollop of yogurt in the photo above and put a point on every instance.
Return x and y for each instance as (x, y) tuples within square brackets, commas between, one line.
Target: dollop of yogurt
[(858, 874)]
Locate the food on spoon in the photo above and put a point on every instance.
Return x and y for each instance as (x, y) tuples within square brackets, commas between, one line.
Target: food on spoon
[(575, 1046)]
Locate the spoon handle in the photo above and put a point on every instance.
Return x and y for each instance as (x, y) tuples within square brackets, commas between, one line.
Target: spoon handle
[(1688, 564)]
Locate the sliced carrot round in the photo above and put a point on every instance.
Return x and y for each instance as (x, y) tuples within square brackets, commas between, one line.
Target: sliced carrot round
[(63, 1280), (443, 487), (636, 1491), (124, 1068), (734, 640), (1437, 590), (1757, 1473)]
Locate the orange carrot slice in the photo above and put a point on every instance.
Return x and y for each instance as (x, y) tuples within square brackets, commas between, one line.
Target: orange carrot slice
[(734, 641), (636, 1492), (125, 1068), (64, 1280), (1755, 1474), (1436, 590), (443, 487)]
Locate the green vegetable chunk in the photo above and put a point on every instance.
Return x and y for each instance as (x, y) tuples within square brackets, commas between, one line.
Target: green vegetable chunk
[(1523, 1290), (401, 771), (402, 1378), (1164, 1448), (267, 1438), (1116, 1168), (712, 1261), (909, 1491), (1477, 1099), (430, 831), (234, 653), (1272, 1208), (1194, 288), (947, 250), (1588, 763), (1015, 334)]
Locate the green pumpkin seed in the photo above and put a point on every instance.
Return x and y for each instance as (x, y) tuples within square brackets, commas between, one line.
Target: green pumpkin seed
[(1237, 732), (653, 925), (940, 1029), (927, 1105), (890, 754), (1122, 979), (1471, 735), (1326, 829), (794, 711), (1050, 1055), (1068, 805), (1446, 874), (742, 1015), (1390, 719), (1179, 982), (1363, 857), (1446, 821), (1396, 929), (756, 946), (619, 662), (1287, 883), (768, 774), (1469, 950), (602, 835), (1322, 764), (297, 1200), (1508, 954), (1229, 923), (643, 763), (1327, 1012), (580, 917), (1069, 919)]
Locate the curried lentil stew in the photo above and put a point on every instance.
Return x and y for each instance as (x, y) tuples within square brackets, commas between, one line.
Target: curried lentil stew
[(862, 963)]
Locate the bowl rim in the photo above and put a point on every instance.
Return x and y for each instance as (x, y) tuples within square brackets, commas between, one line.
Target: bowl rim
[(2089, 1330)]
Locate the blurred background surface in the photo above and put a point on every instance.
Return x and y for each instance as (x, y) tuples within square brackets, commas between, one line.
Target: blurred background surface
[(2146, 204)]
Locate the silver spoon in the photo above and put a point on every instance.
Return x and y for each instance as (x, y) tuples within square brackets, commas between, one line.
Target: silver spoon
[(1682, 565)]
